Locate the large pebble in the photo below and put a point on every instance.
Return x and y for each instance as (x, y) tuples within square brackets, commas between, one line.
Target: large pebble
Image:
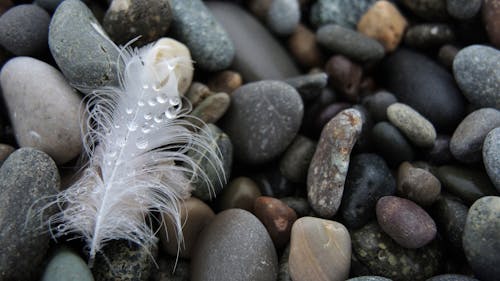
[(467, 141), (422, 84), (391, 144), (491, 156), (491, 14), (262, 120), (450, 215), (417, 184), (481, 238), (43, 108), (296, 159), (476, 72), (343, 12), (368, 180), (283, 16), (277, 217), (234, 246), (195, 26), (350, 43), (81, 49), (240, 193), (463, 9), (427, 9), (418, 129), (66, 265), (24, 29), (26, 176), (256, 59), (382, 256), (320, 250), (328, 169)]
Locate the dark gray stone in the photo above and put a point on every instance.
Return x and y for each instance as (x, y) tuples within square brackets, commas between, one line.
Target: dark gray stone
[(234, 246), (368, 180), (27, 178), (450, 215), (283, 16), (491, 156), (194, 25), (391, 144), (262, 120), (24, 29), (451, 277), (463, 9), (296, 159), (467, 141), (432, 10), (299, 205), (476, 72), (309, 86), (429, 35), (64, 265), (369, 278), (81, 49), (440, 153), (284, 271), (342, 12), (481, 238), (349, 43), (378, 103), (258, 55), (48, 5)]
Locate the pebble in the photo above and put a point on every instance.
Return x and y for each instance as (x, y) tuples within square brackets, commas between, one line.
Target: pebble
[(6, 150), (491, 13), (349, 43), (429, 35), (384, 23), (463, 9), (466, 183), (234, 246), (328, 168), (194, 216), (418, 129), (254, 59), (262, 120), (85, 55), (43, 108), (277, 217), (211, 109), (125, 20), (451, 277), (24, 29), (368, 180), (225, 81), (491, 156), (240, 193), (309, 86), (417, 184), (197, 92), (382, 256), (299, 205), (436, 97), (447, 55), (194, 25), (440, 153), (369, 278), (391, 144), (476, 72), (320, 250), (67, 265), (378, 103), (283, 16), (216, 179), (467, 141), (430, 10), (481, 236), (342, 12), (125, 261), (345, 77), (25, 177), (272, 183), (304, 48), (327, 114), (450, 214), (296, 159)]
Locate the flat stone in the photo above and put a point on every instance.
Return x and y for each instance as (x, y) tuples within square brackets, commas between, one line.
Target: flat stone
[(491, 13), (476, 72), (450, 214), (343, 12), (64, 265), (429, 35), (418, 129), (391, 144), (328, 168), (240, 193), (277, 217), (43, 108), (283, 16), (417, 184), (491, 156), (296, 159), (463, 9)]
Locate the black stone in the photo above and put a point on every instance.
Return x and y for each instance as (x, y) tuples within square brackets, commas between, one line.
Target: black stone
[(391, 144)]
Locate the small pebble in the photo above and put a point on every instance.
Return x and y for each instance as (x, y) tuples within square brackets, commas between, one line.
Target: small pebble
[(491, 13), (342, 12), (240, 193), (197, 92), (429, 35), (345, 77), (431, 10), (417, 184), (303, 46), (283, 16), (5, 151), (418, 129), (378, 103), (447, 54), (309, 86), (491, 156), (391, 144), (211, 109), (277, 217), (450, 214), (66, 265), (451, 277), (463, 9), (296, 159), (225, 81)]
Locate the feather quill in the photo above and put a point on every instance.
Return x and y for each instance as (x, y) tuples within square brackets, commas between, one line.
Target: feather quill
[(136, 138)]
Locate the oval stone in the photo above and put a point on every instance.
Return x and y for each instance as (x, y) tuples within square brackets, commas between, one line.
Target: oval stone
[(67, 265), (418, 129), (234, 246), (391, 144), (429, 35), (277, 217), (417, 184), (491, 156), (296, 159), (463, 9), (283, 16), (262, 120)]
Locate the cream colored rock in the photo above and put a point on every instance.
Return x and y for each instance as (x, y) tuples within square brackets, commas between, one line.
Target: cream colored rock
[(43, 108)]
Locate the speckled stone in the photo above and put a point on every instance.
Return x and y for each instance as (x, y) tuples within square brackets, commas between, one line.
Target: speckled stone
[(67, 265), (417, 184), (240, 193), (296, 159), (80, 47), (481, 238), (25, 177), (491, 14), (476, 72), (429, 35), (378, 103), (237, 240), (427, 9), (451, 277), (382, 256), (194, 25), (262, 120), (283, 16), (463, 9), (343, 12), (391, 144), (491, 156), (418, 129), (450, 214), (328, 168)]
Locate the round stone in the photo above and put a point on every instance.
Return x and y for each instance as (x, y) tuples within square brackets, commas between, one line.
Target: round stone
[(476, 72), (240, 193), (418, 184), (24, 29), (491, 156), (262, 120), (429, 35), (463, 9), (418, 129), (283, 16), (277, 217), (343, 12), (296, 159), (481, 238), (234, 246), (378, 103), (391, 144), (64, 265)]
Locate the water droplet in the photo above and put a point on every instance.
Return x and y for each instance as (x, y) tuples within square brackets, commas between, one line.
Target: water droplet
[(129, 110), (157, 87), (170, 113), (145, 87), (174, 101), (145, 129), (162, 98), (140, 103), (117, 126), (132, 126), (61, 227), (141, 143), (158, 118), (148, 116)]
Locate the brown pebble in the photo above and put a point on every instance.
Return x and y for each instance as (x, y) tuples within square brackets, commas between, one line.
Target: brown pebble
[(226, 82), (197, 92), (384, 23), (345, 76), (259, 7), (211, 109), (277, 217), (491, 19), (406, 222), (5, 151), (417, 184), (303, 46), (240, 193)]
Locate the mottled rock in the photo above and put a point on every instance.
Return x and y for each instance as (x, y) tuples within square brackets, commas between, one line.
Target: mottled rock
[(450, 215), (277, 217), (491, 156), (391, 144), (481, 238), (418, 129), (417, 184), (345, 77), (67, 265), (491, 14), (240, 193), (463, 9), (296, 159), (303, 46), (343, 12), (237, 240), (283, 16), (427, 9), (429, 35), (378, 103), (319, 250), (225, 81), (328, 169)]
